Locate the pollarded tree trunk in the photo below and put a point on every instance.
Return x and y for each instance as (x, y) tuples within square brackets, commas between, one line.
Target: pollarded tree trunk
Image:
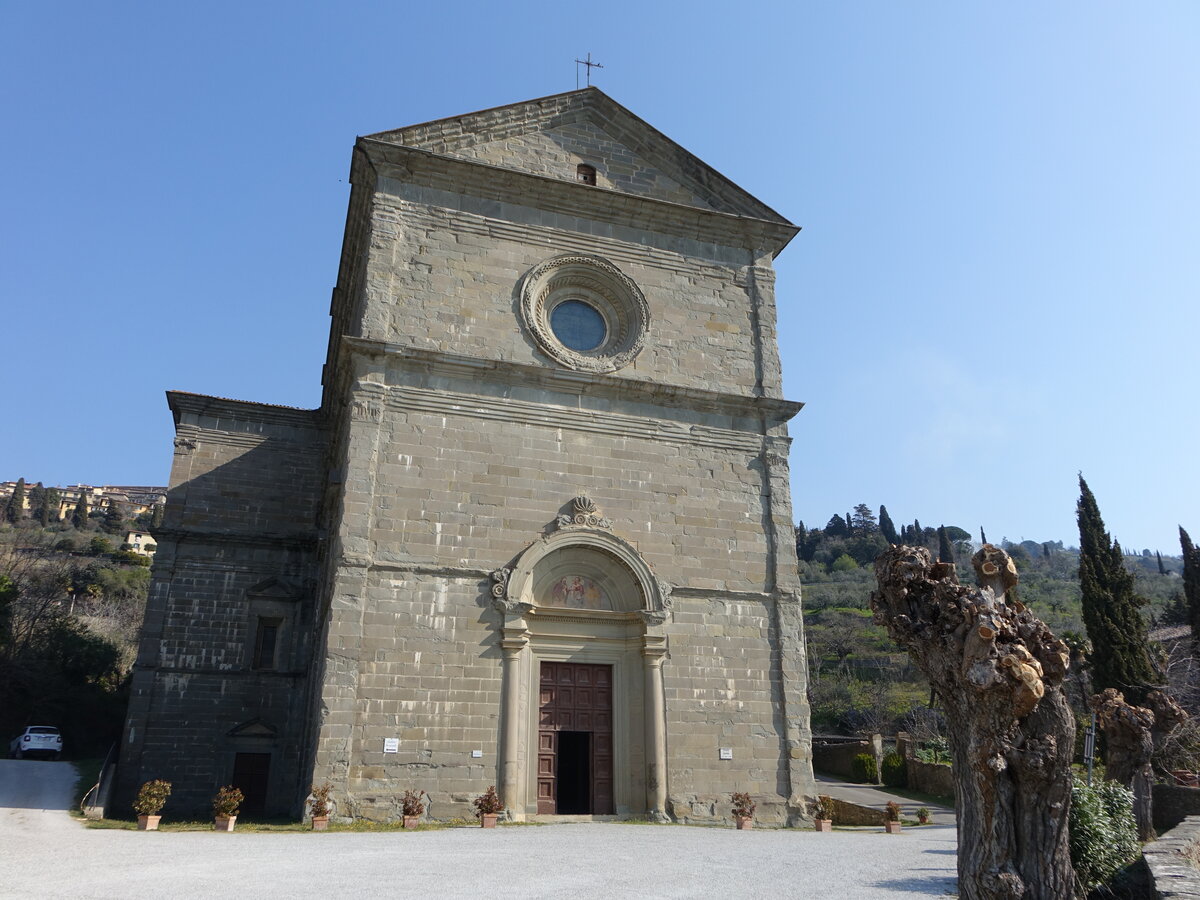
[(999, 673), (1129, 746)]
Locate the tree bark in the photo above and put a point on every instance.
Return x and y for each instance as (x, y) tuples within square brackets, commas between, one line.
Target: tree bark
[(1129, 743), (998, 671)]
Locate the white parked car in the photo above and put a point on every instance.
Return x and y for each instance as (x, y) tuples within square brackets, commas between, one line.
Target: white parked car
[(36, 740)]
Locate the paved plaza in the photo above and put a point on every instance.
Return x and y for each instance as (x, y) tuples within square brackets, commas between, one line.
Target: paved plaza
[(44, 852)]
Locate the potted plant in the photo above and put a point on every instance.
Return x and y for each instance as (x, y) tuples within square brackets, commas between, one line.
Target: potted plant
[(824, 813), (413, 807), (151, 798), (891, 818), (923, 815), (225, 808), (488, 807), (743, 810), (319, 806)]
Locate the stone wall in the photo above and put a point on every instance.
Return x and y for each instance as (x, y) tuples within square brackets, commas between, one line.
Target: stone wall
[(930, 778), (714, 683), (517, 463), (238, 544), (1173, 804), (1170, 859), (834, 754), (465, 265), (846, 813)]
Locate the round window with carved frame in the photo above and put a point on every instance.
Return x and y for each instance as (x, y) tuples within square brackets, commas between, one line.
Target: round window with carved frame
[(584, 313)]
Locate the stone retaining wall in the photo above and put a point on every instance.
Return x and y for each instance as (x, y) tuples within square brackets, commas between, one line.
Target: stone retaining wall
[(846, 813), (1172, 873), (1173, 804), (834, 755), (930, 778)]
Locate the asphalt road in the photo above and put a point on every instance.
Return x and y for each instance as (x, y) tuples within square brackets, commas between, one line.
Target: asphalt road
[(44, 853)]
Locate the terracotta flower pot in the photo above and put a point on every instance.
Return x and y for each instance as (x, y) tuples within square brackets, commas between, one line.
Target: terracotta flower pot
[(744, 823), (412, 821), (148, 823), (824, 824), (488, 820), (320, 823), (224, 823), (891, 827)]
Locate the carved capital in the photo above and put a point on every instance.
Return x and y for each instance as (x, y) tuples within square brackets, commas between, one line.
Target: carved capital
[(367, 410), (653, 616)]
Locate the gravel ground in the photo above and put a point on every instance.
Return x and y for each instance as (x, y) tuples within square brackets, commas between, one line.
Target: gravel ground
[(44, 853)]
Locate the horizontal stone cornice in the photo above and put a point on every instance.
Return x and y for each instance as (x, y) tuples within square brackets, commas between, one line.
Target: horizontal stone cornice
[(491, 182), (294, 540), (212, 672), (565, 381), (182, 402)]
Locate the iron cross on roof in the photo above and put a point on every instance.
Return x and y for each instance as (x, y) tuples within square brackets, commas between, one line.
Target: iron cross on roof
[(590, 65)]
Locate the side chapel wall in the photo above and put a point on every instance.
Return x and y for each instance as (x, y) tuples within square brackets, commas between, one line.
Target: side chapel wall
[(238, 541)]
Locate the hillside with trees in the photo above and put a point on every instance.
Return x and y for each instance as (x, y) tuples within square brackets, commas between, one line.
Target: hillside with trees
[(72, 598), (858, 679)]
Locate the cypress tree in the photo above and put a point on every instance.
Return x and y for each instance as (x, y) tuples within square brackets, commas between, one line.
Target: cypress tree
[(114, 521), (1162, 570), (1120, 657), (982, 536), (156, 517), (886, 527), (1191, 581), (37, 499), (945, 548), (50, 507), (79, 518), (835, 527), (16, 503), (801, 537)]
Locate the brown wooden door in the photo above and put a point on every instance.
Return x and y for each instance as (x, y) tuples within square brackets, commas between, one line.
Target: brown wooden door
[(575, 697)]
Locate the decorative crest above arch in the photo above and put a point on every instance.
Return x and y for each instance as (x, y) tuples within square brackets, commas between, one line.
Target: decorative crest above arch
[(585, 513)]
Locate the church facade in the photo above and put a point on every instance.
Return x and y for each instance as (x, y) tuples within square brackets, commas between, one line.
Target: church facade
[(538, 535)]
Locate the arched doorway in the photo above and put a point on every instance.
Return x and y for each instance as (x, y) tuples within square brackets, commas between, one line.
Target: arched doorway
[(583, 728)]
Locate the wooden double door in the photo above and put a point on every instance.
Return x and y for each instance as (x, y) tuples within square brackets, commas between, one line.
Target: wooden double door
[(575, 745)]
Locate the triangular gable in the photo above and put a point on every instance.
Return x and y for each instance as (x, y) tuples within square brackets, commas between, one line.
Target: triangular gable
[(551, 136), (275, 588), (254, 728)]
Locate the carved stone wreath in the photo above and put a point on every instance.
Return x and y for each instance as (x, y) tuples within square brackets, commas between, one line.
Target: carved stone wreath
[(602, 286)]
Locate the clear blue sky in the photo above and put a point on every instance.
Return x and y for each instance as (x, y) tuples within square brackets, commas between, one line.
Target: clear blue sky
[(995, 287)]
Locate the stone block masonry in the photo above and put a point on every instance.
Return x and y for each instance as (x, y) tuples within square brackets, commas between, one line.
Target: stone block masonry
[(547, 553)]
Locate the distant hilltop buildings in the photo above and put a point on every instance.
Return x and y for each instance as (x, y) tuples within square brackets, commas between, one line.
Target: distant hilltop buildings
[(133, 500)]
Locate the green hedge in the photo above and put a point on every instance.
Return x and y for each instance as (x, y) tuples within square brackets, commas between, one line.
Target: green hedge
[(1104, 835), (895, 772), (863, 770)]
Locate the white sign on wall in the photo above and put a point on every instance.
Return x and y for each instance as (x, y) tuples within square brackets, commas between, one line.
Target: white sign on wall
[(726, 753), (391, 745), (476, 754)]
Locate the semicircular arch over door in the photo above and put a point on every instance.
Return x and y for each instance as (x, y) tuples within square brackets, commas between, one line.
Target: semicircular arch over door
[(583, 724)]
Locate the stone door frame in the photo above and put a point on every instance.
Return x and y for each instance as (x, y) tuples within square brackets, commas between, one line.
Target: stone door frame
[(631, 640)]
